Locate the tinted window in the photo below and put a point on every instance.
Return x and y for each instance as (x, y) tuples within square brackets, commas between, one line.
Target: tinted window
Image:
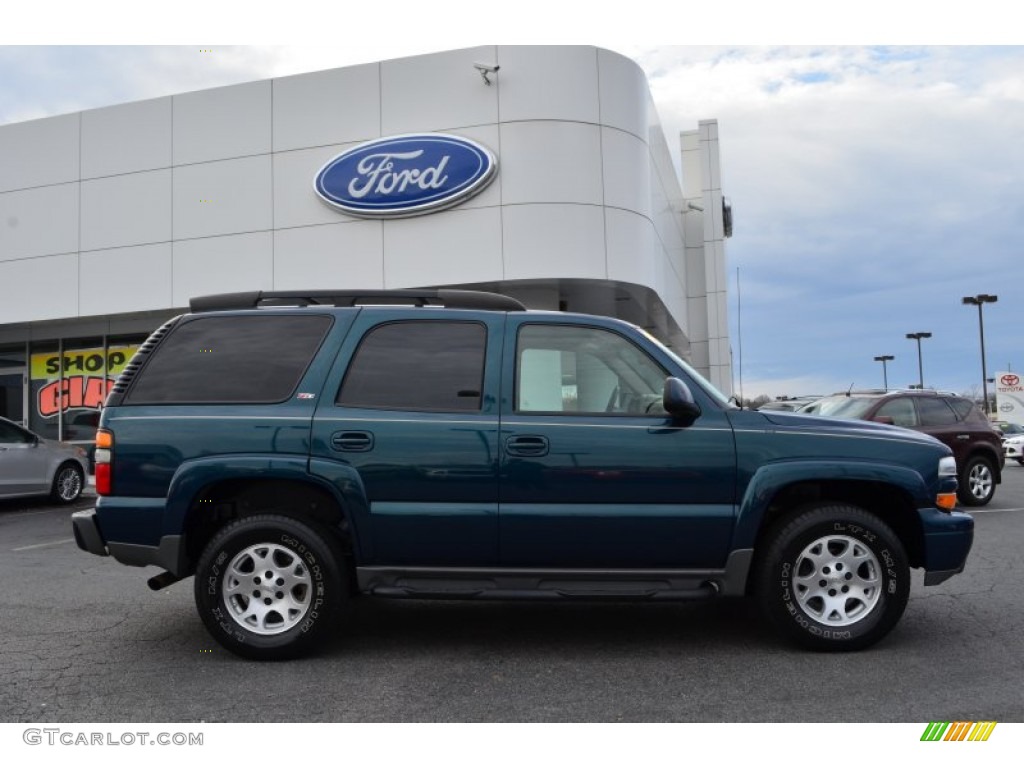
[(567, 369), (240, 359), (934, 412), (967, 411), (418, 366), (900, 410), (11, 434)]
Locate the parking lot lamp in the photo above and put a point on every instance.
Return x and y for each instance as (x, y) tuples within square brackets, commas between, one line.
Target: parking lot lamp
[(920, 367), (978, 301), (883, 359)]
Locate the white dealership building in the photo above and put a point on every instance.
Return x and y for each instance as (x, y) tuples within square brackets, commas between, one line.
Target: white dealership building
[(112, 218)]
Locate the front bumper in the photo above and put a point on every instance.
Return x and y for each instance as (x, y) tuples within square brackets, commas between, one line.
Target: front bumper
[(948, 537)]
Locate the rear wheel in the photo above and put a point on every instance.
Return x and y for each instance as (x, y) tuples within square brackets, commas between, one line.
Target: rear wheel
[(833, 578), (977, 482), (270, 587)]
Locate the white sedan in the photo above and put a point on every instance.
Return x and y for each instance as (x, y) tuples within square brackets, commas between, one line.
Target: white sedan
[(1013, 440)]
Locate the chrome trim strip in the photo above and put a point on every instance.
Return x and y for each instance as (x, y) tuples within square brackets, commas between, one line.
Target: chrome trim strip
[(250, 417), (859, 436)]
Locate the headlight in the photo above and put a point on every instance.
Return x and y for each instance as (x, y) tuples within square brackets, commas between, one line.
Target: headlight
[(946, 499)]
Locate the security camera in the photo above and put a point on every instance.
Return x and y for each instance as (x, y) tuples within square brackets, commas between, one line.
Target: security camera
[(485, 70)]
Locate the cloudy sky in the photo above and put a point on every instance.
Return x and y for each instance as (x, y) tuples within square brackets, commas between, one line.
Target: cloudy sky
[(872, 187)]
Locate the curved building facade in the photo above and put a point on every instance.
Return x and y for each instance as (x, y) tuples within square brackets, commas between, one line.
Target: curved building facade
[(112, 218)]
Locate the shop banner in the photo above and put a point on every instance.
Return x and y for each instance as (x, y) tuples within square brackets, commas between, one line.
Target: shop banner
[(88, 376)]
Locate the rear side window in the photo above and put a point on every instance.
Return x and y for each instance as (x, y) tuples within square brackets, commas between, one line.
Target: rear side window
[(935, 412), (237, 359), (11, 434), (418, 366)]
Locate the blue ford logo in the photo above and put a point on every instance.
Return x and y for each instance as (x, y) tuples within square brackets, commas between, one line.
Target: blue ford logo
[(405, 175)]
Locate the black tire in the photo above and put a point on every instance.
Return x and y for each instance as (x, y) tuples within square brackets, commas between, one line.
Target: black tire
[(977, 482), (68, 482), (860, 557), (1021, 462), (305, 594)]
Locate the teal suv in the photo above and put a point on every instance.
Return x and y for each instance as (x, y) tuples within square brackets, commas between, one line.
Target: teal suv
[(292, 450)]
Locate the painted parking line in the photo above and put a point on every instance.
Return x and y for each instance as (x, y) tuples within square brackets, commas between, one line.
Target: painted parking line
[(45, 544)]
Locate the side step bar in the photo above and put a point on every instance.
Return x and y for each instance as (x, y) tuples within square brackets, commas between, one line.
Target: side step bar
[(538, 584)]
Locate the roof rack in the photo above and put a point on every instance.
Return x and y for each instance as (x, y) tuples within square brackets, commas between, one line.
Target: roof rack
[(442, 297)]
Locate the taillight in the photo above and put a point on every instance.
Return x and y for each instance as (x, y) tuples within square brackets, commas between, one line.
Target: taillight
[(104, 455)]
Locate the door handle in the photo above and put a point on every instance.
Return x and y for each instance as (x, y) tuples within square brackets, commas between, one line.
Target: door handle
[(352, 441), (527, 445), (963, 437)]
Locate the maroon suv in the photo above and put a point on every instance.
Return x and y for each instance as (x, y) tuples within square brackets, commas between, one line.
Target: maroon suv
[(954, 420)]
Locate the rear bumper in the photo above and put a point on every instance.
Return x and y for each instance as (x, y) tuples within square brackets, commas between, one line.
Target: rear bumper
[(948, 537), (87, 532), (168, 554)]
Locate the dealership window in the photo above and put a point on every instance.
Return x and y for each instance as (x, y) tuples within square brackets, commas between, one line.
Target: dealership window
[(44, 379), (13, 376), (570, 369), (235, 359), (418, 366), (68, 383)]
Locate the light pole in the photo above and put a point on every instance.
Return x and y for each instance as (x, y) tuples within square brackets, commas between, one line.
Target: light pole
[(920, 367), (883, 359), (982, 298)]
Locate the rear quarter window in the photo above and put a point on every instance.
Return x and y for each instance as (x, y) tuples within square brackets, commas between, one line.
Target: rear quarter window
[(233, 359), (967, 411)]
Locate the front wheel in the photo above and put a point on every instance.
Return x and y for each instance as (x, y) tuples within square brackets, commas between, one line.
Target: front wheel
[(270, 587), (833, 578), (977, 482)]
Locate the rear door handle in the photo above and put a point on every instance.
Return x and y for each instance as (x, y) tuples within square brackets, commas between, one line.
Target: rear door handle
[(527, 445), (352, 441), (963, 437)]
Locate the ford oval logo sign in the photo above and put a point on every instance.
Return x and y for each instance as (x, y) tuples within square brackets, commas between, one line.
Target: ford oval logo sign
[(405, 175)]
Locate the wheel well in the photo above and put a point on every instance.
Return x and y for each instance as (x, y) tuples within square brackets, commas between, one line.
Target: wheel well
[(992, 458), (892, 505), (224, 502)]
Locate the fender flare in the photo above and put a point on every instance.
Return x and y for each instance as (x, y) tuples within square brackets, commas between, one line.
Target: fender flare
[(340, 481), (770, 479)]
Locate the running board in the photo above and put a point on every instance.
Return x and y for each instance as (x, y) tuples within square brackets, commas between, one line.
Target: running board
[(538, 584)]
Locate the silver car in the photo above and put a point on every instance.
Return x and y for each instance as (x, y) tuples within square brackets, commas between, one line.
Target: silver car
[(33, 466)]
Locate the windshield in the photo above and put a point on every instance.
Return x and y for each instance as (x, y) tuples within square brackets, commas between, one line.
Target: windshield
[(706, 385), (842, 407)]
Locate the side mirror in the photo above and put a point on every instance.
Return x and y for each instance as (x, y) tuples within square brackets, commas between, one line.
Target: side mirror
[(884, 420), (679, 402)]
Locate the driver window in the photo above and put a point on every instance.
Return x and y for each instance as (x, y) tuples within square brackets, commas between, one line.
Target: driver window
[(569, 369), (900, 410)]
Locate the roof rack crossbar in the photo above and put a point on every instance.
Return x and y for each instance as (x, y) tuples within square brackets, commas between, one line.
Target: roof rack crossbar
[(439, 297)]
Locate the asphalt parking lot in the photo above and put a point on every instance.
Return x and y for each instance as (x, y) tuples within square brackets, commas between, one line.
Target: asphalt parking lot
[(85, 640)]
